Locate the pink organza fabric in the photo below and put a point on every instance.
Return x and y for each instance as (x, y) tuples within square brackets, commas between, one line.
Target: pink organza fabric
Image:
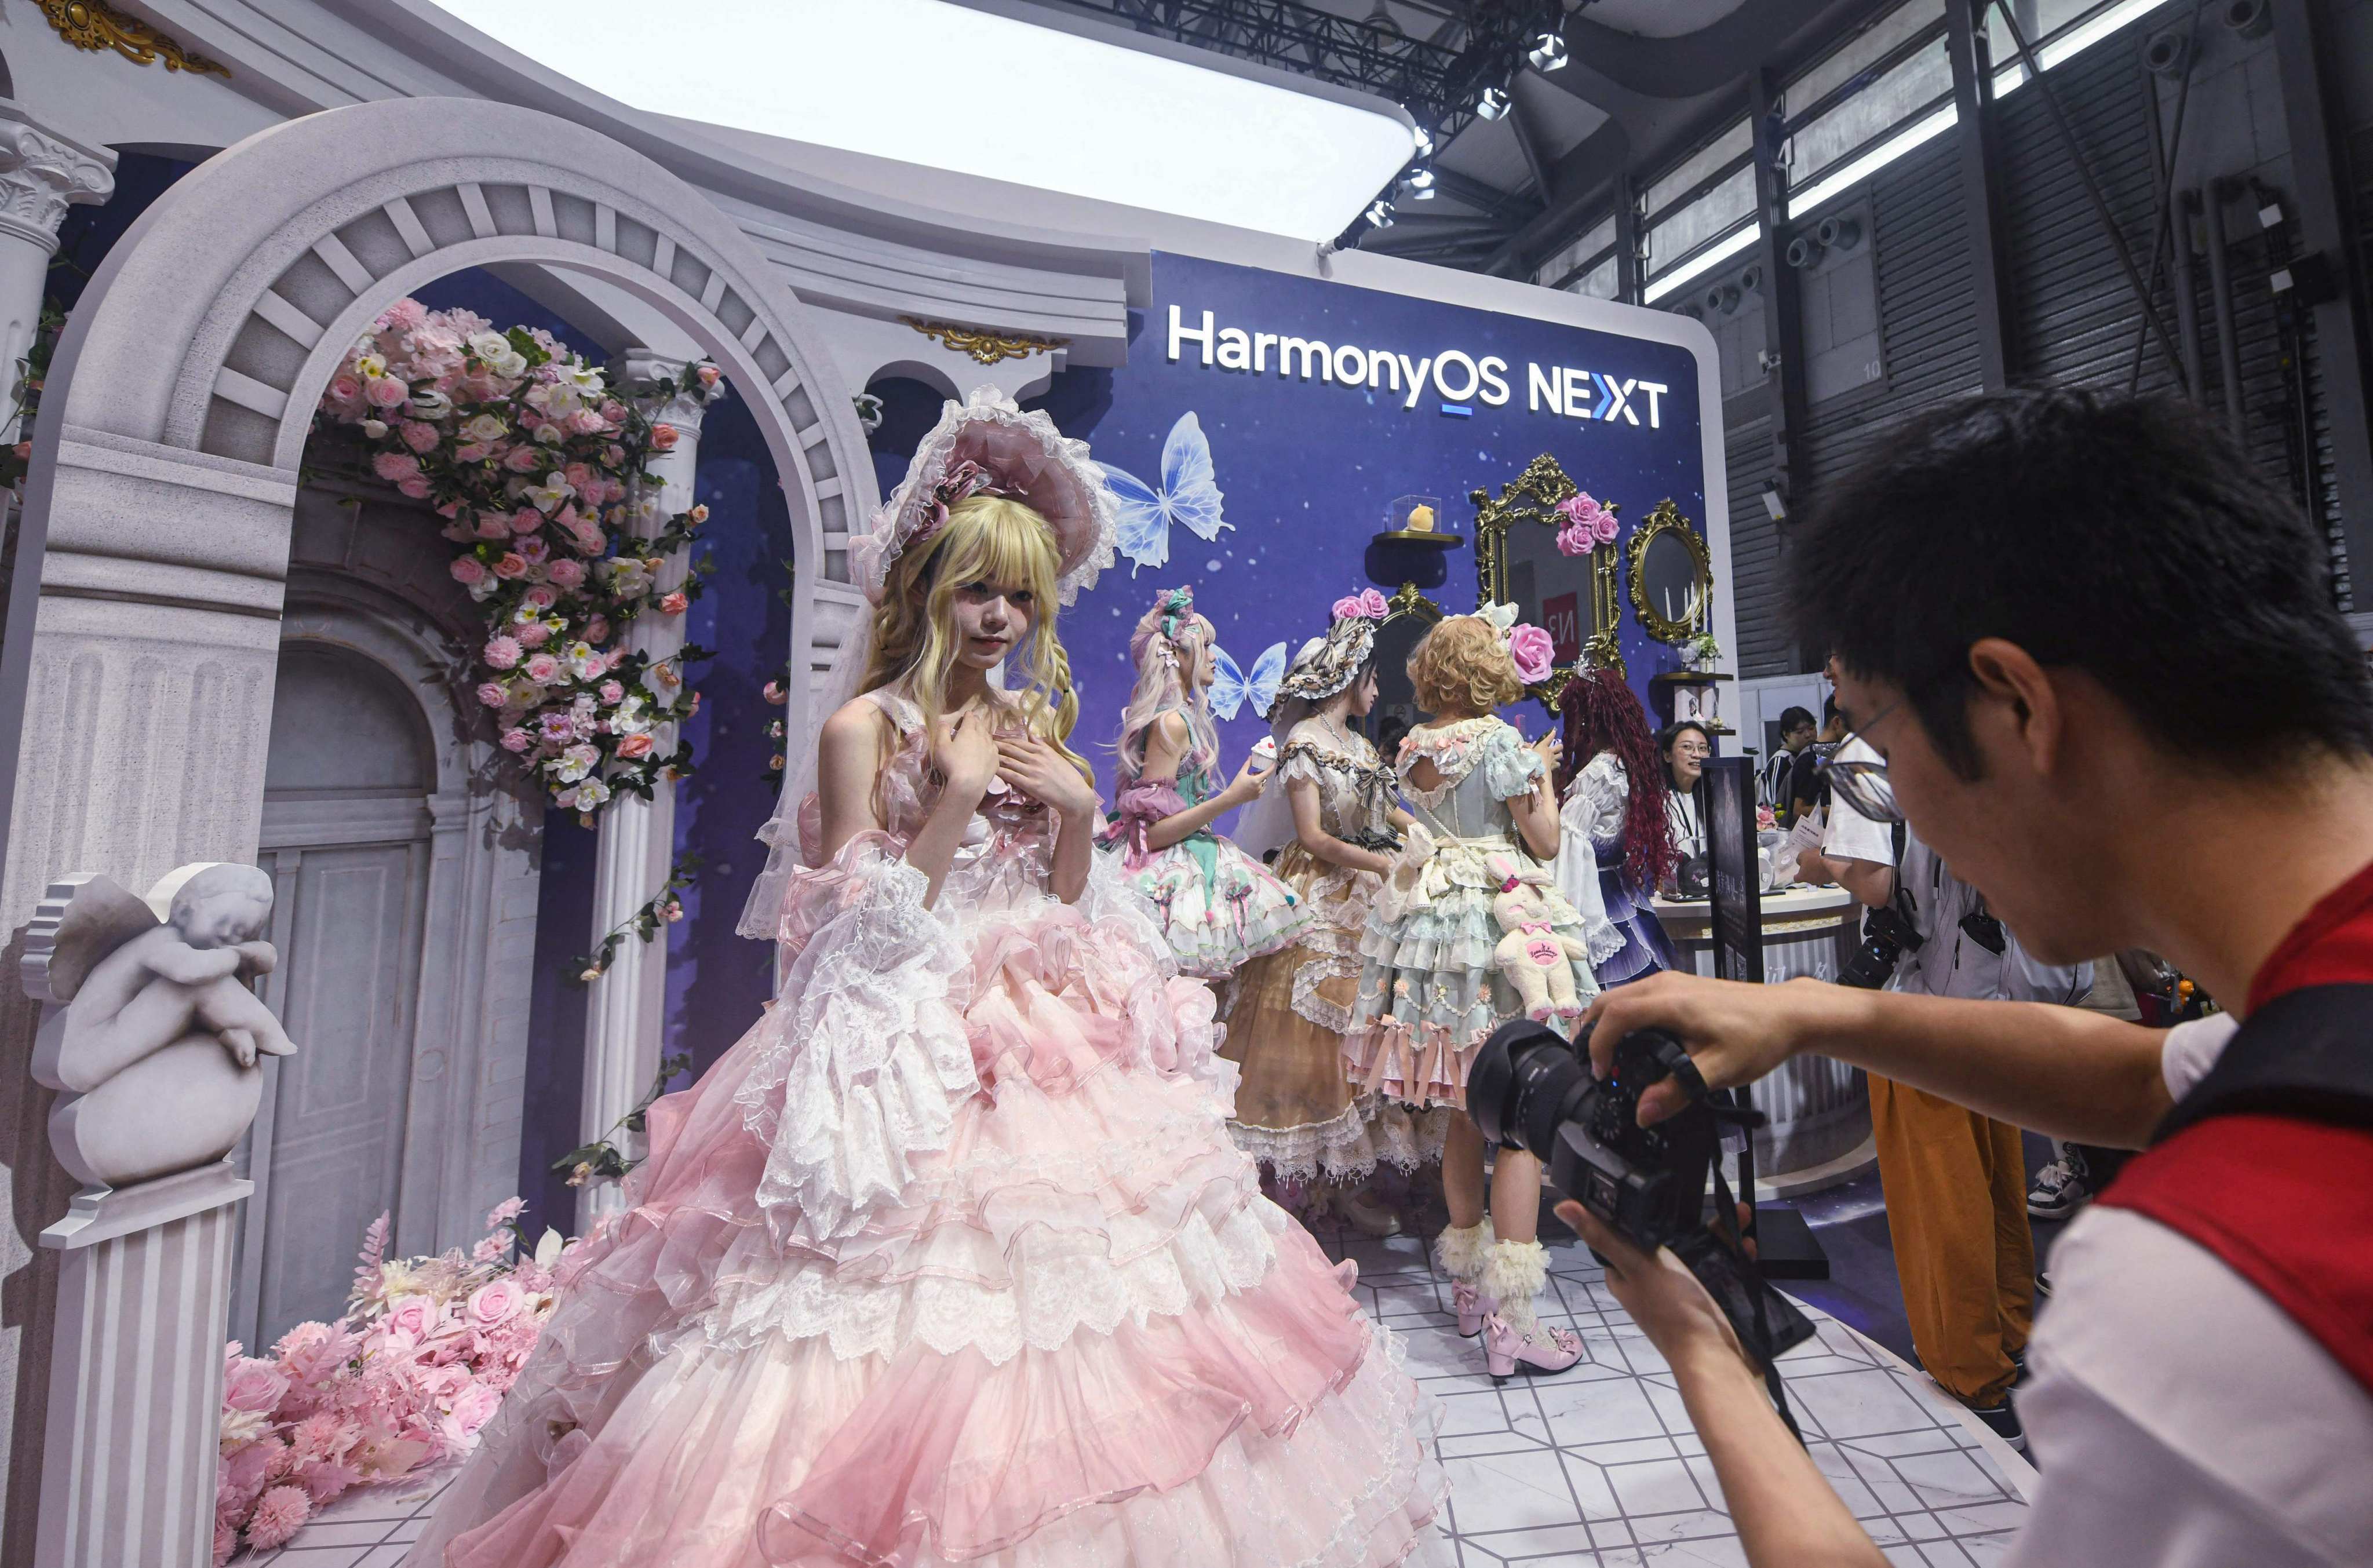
[(950, 1260)]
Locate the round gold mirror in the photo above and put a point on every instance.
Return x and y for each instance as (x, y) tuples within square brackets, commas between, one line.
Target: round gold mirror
[(1671, 575)]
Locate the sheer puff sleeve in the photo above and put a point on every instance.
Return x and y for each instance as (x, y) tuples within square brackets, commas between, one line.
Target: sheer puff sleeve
[(1135, 810), (867, 1057), (1598, 800), (1510, 767)]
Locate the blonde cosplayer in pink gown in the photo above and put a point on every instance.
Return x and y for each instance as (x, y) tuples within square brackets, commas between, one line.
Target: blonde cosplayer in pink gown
[(950, 1260)]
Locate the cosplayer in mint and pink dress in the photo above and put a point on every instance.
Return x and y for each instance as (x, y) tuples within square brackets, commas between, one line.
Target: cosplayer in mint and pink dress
[(950, 1260), (1219, 908)]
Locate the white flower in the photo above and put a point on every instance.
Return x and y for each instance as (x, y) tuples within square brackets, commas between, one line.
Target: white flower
[(627, 577), (552, 435), (575, 764), (583, 377), (591, 793), (484, 589), (430, 403), (490, 345), (371, 366), (240, 1428), (629, 718), (375, 429), (554, 398), (549, 496), (583, 662), (547, 1251), (484, 428)]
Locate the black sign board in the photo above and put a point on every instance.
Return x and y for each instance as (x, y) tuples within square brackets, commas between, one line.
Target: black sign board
[(1734, 867)]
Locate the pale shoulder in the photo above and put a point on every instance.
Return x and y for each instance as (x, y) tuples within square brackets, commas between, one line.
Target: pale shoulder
[(1170, 728), (856, 721)]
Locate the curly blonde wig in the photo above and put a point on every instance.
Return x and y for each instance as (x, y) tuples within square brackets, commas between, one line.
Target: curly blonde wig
[(1462, 666)]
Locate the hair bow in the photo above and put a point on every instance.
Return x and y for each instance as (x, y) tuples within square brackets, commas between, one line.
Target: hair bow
[(1502, 618), (1178, 602)]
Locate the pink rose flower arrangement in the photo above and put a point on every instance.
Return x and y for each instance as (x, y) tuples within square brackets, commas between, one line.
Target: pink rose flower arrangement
[(409, 1376), (1532, 650), (533, 454), (1588, 524)]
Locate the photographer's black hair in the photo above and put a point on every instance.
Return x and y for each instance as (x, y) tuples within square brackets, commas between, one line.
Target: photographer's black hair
[(2128, 538), (1829, 710)]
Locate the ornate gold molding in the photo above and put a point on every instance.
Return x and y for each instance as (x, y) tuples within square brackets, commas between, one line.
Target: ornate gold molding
[(987, 347), (1533, 497), (1409, 601), (86, 24)]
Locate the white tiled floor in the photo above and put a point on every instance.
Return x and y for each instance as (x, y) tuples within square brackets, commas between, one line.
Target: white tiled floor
[(1594, 1467)]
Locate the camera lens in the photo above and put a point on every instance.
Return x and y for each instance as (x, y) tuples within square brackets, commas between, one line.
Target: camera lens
[(1526, 1080)]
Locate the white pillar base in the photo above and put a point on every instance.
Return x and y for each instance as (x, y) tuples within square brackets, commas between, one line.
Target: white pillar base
[(136, 1371)]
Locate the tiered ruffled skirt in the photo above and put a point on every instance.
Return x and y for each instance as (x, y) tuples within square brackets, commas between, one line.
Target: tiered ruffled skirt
[(1078, 1335), (1297, 1110), (1431, 993), (1216, 921)]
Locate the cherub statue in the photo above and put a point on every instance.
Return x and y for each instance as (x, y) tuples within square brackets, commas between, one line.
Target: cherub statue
[(156, 1045)]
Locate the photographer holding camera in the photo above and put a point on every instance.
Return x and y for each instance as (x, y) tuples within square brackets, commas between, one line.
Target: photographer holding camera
[(2030, 595)]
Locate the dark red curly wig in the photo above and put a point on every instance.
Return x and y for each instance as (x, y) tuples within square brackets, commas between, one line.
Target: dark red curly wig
[(1600, 714)]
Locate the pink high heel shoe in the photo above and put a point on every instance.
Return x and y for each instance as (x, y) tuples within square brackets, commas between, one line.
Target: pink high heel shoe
[(1548, 1349), (1473, 1307)]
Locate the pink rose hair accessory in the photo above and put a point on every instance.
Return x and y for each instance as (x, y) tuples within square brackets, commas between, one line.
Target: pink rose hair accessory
[(1533, 651), (1367, 605)]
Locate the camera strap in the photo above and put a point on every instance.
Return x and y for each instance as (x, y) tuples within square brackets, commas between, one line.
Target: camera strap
[(1727, 1212)]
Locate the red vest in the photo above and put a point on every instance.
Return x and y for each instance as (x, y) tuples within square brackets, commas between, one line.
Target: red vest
[(2284, 1194)]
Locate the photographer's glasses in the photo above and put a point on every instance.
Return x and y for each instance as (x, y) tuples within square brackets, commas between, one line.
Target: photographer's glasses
[(1858, 781)]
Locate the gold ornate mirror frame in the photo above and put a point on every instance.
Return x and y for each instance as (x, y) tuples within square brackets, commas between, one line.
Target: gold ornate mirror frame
[(1534, 497), (1668, 520)]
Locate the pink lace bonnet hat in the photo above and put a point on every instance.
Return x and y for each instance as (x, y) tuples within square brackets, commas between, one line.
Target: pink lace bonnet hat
[(986, 445)]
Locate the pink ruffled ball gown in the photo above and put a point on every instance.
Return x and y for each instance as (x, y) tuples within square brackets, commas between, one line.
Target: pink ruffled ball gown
[(950, 1260)]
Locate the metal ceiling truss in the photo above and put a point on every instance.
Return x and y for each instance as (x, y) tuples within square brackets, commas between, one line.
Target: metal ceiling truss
[(1436, 82)]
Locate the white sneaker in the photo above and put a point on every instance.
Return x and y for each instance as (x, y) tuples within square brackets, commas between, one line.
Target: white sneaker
[(2059, 1187)]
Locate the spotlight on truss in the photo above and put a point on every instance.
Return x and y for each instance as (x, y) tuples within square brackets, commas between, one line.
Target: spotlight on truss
[(1493, 103), (1548, 51), (1380, 216)]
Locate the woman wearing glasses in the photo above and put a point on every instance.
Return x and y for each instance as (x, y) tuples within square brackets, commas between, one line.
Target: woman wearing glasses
[(1684, 747)]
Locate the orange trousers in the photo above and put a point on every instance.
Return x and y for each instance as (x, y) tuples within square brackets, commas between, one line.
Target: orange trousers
[(1956, 1184)]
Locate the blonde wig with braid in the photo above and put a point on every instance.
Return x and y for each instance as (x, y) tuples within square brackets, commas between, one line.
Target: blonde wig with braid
[(987, 539)]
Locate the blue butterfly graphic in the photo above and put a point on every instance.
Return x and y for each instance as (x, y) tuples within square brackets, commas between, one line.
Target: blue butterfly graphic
[(1188, 496), (1231, 686)]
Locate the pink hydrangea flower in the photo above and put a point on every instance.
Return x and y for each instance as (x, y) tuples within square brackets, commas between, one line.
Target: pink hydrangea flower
[(420, 438), (406, 314), (533, 633), (415, 488), (395, 466), (502, 652)]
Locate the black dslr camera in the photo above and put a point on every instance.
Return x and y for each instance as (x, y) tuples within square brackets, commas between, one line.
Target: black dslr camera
[(1886, 935), (1531, 1091)]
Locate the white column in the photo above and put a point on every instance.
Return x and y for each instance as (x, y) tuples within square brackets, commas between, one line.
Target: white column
[(41, 173), (137, 1369), (625, 1015)]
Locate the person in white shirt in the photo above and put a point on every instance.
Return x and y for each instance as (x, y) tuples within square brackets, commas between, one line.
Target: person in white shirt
[(2033, 593)]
